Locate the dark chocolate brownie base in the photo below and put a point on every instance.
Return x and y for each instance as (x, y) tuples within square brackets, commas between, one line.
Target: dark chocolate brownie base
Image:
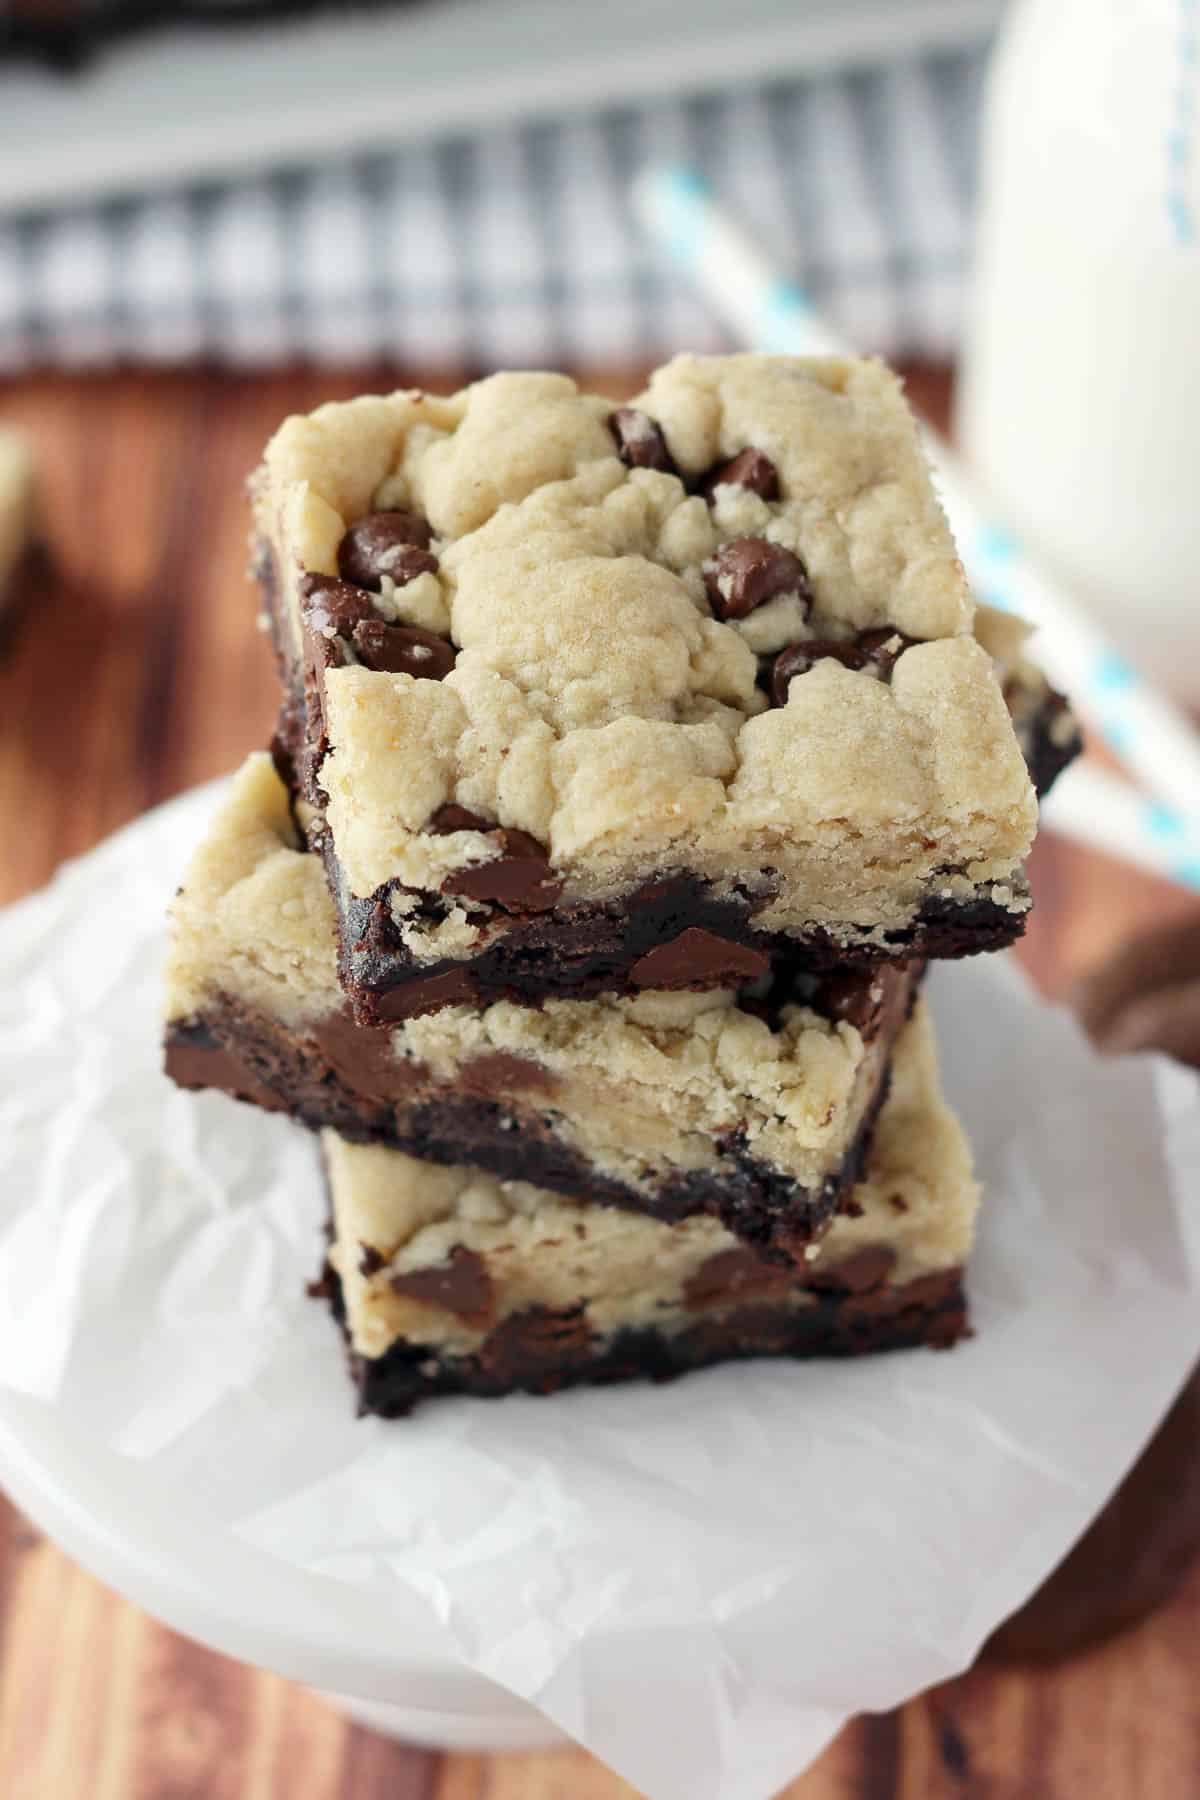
[(672, 934), (539, 1352), (337, 1078)]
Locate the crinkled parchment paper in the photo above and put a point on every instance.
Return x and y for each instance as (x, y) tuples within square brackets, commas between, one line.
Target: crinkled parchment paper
[(698, 1582)]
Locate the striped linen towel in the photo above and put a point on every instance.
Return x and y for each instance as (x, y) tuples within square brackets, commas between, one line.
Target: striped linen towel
[(518, 246)]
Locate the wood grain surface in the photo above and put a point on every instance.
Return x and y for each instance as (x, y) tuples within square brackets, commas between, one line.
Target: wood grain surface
[(134, 670)]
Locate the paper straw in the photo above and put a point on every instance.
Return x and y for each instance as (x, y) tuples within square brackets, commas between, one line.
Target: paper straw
[(1093, 807), (1143, 728)]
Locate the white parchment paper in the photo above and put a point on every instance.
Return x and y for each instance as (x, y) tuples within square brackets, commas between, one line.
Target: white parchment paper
[(699, 1582)]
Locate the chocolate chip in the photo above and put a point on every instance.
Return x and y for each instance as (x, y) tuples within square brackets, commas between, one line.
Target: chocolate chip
[(402, 649), (428, 994), (852, 996), (395, 544), (500, 1074), (878, 650), (798, 659), (859, 1273), (519, 879), (369, 1260), (885, 646), (700, 959), (334, 606), (461, 1286), (749, 571), (640, 442), (451, 817), (748, 469), (730, 1275)]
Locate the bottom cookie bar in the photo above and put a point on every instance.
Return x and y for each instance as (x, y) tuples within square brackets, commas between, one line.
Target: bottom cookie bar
[(448, 1281)]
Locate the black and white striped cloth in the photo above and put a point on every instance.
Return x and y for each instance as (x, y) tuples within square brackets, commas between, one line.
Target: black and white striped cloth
[(518, 246)]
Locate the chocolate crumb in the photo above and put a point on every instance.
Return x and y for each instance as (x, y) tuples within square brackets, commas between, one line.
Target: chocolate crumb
[(640, 442), (747, 572)]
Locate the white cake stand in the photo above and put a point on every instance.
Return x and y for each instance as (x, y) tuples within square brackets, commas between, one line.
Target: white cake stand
[(102, 1509)]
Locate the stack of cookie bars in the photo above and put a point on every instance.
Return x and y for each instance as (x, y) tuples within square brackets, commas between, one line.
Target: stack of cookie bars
[(632, 763)]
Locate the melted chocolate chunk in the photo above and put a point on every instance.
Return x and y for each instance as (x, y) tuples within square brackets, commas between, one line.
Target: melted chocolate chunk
[(429, 993), (700, 959), (640, 442), (499, 1073), (452, 817), (798, 659), (369, 1260), (747, 572), (737, 1274), (334, 607), (748, 469), (852, 996), (878, 650), (402, 649), (461, 1286), (395, 544), (885, 646), (519, 879), (858, 1274)]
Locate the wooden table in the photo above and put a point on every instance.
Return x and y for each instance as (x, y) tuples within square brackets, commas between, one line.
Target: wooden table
[(138, 671)]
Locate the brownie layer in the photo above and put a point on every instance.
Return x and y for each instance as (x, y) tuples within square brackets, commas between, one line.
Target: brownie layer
[(542, 1352), (250, 1056), (671, 934)]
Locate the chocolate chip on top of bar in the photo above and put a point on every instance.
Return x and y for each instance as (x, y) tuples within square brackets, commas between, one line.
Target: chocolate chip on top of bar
[(751, 469), (748, 572), (393, 544), (640, 442)]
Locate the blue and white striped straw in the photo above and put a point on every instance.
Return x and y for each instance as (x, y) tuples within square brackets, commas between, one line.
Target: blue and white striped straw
[(1143, 728)]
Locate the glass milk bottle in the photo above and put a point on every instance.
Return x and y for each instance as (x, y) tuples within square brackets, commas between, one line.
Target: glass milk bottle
[(1080, 395)]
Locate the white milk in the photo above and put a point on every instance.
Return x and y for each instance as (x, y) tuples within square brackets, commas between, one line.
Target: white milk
[(1080, 400)]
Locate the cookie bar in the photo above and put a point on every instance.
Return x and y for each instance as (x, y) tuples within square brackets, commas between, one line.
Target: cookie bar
[(1047, 730), (448, 1281), (598, 699), (17, 508), (755, 1108)]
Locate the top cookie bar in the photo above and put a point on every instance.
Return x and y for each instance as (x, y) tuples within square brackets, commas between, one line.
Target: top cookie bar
[(595, 698)]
